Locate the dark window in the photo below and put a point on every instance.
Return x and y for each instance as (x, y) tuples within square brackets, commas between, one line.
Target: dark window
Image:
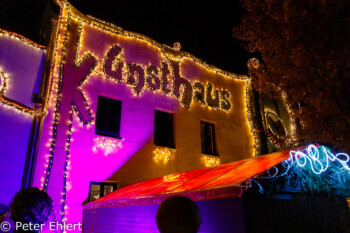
[(163, 129), (108, 117), (98, 189), (208, 138)]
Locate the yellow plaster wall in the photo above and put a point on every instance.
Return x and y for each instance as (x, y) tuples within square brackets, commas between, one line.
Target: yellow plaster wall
[(234, 140)]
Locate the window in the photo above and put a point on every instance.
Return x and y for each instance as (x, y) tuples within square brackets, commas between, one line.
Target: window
[(98, 190), (163, 129), (208, 138), (108, 117)]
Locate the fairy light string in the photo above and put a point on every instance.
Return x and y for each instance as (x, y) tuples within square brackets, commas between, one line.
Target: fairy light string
[(151, 80), (10, 103)]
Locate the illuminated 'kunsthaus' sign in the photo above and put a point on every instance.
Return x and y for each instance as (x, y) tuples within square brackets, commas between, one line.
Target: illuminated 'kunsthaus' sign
[(158, 78)]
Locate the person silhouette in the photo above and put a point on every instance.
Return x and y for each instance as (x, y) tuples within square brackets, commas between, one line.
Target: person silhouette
[(178, 214)]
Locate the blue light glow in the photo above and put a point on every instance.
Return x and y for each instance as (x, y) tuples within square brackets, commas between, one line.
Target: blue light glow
[(318, 158)]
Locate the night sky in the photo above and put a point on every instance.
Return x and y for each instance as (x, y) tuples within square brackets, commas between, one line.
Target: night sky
[(203, 28)]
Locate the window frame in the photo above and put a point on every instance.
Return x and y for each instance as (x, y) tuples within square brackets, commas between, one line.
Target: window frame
[(101, 184), (108, 134), (172, 146), (215, 149)]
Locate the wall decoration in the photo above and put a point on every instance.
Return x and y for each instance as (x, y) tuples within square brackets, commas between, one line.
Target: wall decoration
[(136, 75), (163, 155), (3, 84), (153, 81), (165, 72), (116, 71), (10, 103), (136, 78), (212, 97), (107, 145), (210, 161), (225, 103), (199, 93), (276, 131), (82, 69), (180, 81)]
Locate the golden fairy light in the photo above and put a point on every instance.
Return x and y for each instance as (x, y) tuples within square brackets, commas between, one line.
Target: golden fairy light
[(108, 146), (211, 161), (163, 155)]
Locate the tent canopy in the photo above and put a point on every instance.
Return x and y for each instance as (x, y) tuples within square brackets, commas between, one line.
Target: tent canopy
[(222, 181)]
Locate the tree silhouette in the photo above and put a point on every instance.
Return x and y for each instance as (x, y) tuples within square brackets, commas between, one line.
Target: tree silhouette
[(305, 53)]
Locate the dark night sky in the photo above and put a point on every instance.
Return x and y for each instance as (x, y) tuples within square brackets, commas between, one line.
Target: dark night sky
[(203, 28)]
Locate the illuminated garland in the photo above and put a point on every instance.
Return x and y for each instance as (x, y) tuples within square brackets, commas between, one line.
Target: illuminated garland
[(250, 118), (292, 138), (11, 104), (163, 155), (16, 36), (53, 91), (17, 107), (45, 181), (280, 144), (153, 81), (67, 162), (3, 83), (104, 22), (68, 15), (137, 76), (118, 31), (107, 145), (211, 161)]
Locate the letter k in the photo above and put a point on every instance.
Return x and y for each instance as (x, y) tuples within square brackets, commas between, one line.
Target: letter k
[(72, 79)]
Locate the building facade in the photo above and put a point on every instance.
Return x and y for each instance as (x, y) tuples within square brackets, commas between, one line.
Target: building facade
[(21, 66), (116, 107), (123, 108)]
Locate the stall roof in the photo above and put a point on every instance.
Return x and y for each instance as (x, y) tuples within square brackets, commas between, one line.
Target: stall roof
[(203, 184)]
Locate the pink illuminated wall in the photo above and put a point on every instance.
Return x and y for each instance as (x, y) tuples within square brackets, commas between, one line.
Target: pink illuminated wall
[(92, 59), (21, 66)]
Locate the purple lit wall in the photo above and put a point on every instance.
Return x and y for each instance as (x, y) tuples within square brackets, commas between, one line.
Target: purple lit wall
[(90, 60), (21, 65), (221, 215)]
